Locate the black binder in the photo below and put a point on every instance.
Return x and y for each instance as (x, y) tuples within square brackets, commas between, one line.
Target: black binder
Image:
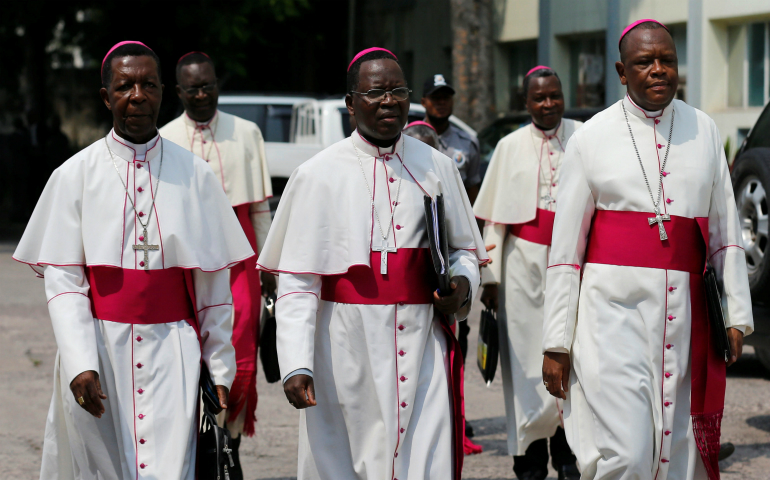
[(716, 315), (435, 220), (268, 353)]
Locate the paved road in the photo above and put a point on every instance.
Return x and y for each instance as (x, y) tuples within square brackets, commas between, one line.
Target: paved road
[(27, 350)]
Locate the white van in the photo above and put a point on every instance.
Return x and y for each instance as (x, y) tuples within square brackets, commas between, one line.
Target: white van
[(296, 128)]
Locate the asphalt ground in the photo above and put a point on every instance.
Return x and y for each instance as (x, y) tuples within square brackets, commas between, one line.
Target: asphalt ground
[(27, 351)]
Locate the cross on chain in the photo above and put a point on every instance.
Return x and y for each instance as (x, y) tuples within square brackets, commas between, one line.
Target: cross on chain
[(548, 199), (659, 219), (147, 248), (384, 251)]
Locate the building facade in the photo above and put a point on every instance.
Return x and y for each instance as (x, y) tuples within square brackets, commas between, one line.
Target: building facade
[(723, 49)]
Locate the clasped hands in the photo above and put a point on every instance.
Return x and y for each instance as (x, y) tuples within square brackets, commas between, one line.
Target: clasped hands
[(556, 365)]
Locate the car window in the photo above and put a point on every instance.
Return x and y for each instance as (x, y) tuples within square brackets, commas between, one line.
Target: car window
[(273, 120), (760, 134)]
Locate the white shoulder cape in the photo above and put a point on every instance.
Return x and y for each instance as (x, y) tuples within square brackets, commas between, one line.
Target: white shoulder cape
[(323, 223), (79, 217)]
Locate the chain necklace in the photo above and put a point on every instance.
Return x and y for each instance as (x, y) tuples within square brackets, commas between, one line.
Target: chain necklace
[(143, 246), (548, 199), (386, 248), (659, 219), (213, 136)]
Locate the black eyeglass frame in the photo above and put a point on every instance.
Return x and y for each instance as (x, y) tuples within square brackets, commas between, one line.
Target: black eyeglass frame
[(384, 94), (193, 91)]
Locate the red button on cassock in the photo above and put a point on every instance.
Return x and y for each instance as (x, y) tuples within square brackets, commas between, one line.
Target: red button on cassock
[(398, 227), (140, 189), (663, 460), (665, 173), (141, 214), (402, 430), (387, 158), (401, 327), (141, 416), (142, 465), (392, 180), (402, 353), (660, 146), (657, 121), (138, 165), (669, 346), (668, 375), (404, 404), (140, 391), (141, 238), (142, 441), (671, 317), (403, 378), (141, 264), (139, 338), (139, 365), (666, 404), (667, 432)]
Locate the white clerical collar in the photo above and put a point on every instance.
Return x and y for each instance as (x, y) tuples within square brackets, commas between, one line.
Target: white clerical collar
[(540, 133), (133, 152), (635, 109), (207, 123), (366, 147)]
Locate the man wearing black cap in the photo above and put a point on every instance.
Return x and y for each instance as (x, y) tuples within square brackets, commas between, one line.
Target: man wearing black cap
[(457, 144)]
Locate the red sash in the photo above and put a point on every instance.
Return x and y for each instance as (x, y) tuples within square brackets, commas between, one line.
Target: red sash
[(539, 230), (247, 296), (627, 239), (411, 279), (140, 297)]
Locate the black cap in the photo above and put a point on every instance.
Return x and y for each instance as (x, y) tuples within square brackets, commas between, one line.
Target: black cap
[(435, 83)]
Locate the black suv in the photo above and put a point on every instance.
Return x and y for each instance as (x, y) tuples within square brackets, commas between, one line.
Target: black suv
[(751, 183)]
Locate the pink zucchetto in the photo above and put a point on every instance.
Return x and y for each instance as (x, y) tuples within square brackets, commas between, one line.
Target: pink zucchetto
[(638, 22), (420, 122), (192, 53), (369, 50), (120, 44), (539, 67)]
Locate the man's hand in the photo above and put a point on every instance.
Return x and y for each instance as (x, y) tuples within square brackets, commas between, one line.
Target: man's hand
[(556, 373), (224, 395), (489, 296), (87, 386), (736, 344), (451, 303), (489, 247), (300, 391), (268, 283)]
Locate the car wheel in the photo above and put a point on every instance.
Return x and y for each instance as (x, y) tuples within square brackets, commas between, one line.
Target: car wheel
[(751, 183), (763, 354)]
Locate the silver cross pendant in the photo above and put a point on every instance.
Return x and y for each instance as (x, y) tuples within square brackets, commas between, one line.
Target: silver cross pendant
[(384, 251), (144, 246), (659, 219)]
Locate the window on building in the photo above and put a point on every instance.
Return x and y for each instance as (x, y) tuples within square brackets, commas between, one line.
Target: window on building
[(748, 65), (587, 72), (522, 56)]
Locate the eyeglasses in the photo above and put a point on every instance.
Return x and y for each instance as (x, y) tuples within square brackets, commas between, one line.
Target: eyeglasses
[(378, 95), (192, 91)]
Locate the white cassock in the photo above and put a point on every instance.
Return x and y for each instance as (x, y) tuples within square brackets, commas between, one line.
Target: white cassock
[(378, 353), (235, 151), (517, 201), (81, 238), (627, 326)]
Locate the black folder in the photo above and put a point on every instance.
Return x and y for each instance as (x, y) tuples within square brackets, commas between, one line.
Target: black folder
[(716, 315), (435, 220)]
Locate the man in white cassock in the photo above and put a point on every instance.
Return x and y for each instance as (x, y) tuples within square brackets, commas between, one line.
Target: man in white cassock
[(235, 151), (363, 337), (517, 201), (134, 237), (645, 201)]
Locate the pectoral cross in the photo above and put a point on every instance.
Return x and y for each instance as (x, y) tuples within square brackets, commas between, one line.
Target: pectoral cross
[(146, 248), (659, 219), (548, 199), (384, 251)]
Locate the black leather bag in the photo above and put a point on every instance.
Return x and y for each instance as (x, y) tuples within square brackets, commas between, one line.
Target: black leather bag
[(716, 315), (488, 346), (268, 353), (214, 454), (435, 220)]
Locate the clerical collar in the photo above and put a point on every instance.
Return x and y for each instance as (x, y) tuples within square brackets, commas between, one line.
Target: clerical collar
[(368, 148), (196, 123), (546, 133), (635, 109), (133, 152)]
